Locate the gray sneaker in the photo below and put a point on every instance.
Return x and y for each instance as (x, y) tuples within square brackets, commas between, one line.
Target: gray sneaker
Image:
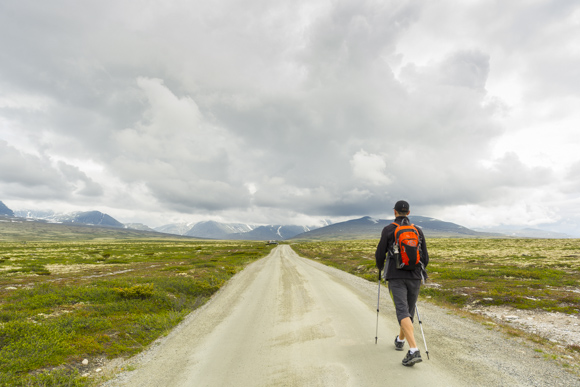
[(399, 344), (412, 358)]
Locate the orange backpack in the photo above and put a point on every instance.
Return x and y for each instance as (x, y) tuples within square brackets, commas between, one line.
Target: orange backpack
[(407, 247)]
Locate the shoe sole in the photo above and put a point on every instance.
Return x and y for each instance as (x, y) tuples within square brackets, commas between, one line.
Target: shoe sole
[(412, 362), (398, 349)]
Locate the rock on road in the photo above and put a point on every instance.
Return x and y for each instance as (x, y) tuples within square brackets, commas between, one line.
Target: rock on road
[(290, 321)]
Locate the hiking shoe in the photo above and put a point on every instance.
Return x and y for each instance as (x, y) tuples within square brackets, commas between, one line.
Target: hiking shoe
[(412, 358), (399, 344)]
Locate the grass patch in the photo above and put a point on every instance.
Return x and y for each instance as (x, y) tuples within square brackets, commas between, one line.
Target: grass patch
[(63, 302)]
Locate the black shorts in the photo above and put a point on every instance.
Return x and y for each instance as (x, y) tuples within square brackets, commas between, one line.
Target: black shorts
[(404, 293)]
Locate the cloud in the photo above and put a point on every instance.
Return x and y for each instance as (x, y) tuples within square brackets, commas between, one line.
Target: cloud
[(28, 170), (85, 185), (465, 68), (369, 168), (571, 184), (273, 111), (184, 159), (40, 177)]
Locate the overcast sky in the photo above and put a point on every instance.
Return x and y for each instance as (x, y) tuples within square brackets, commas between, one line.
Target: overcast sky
[(290, 112)]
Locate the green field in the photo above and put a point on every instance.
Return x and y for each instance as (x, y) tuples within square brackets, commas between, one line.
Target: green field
[(64, 302)]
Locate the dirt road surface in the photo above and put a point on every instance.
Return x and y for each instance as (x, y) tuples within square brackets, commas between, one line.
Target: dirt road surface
[(290, 321)]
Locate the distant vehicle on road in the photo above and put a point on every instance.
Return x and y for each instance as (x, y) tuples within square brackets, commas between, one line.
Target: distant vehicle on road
[(271, 243)]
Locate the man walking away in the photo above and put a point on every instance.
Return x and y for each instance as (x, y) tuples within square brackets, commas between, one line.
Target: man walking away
[(404, 270)]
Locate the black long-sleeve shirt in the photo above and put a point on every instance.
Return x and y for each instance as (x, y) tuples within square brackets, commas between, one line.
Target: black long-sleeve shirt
[(385, 250)]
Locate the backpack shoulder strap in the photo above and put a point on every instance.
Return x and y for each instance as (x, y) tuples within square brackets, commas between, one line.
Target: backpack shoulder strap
[(397, 228)]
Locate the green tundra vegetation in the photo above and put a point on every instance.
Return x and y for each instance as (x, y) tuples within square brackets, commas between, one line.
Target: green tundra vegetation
[(521, 273), (63, 302)]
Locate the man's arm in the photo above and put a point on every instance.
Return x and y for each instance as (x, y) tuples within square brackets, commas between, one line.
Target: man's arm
[(381, 252), (424, 252)]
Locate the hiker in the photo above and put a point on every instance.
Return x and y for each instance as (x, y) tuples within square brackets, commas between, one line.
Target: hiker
[(403, 282)]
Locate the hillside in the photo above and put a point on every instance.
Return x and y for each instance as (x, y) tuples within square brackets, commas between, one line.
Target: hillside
[(527, 233), (94, 218), (370, 228), (276, 232), (4, 210), (217, 230), (361, 228), (234, 231), (26, 230)]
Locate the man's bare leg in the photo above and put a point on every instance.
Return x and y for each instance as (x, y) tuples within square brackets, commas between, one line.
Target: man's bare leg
[(406, 332)]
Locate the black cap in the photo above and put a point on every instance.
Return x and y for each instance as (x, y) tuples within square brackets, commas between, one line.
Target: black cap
[(402, 206)]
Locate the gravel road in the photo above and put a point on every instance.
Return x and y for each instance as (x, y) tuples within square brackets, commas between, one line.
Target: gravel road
[(290, 321)]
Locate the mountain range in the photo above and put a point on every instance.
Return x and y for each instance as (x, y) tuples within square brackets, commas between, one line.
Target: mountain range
[(93, 218), (361, 228), (234, 231), (370, 228)]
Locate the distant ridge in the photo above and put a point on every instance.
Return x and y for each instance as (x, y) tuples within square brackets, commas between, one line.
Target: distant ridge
[(4, 210), (234, 231), (92, 218), (360, 228), (535, 233), (175, 228), (23, 229), (216, 230), (275, 232), (528, 233), (370, 228), (138, 226)]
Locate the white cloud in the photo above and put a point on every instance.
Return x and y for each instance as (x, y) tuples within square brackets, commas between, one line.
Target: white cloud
[(370, 168), (311, 109)]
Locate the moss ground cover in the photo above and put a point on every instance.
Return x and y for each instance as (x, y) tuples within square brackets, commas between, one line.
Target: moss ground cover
[(63, 302)]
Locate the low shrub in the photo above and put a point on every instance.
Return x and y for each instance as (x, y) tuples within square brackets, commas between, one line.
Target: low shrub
[(140, 291)]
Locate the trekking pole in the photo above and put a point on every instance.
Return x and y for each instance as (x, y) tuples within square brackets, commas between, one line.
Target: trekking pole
[(378, 298), (422, 333)]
